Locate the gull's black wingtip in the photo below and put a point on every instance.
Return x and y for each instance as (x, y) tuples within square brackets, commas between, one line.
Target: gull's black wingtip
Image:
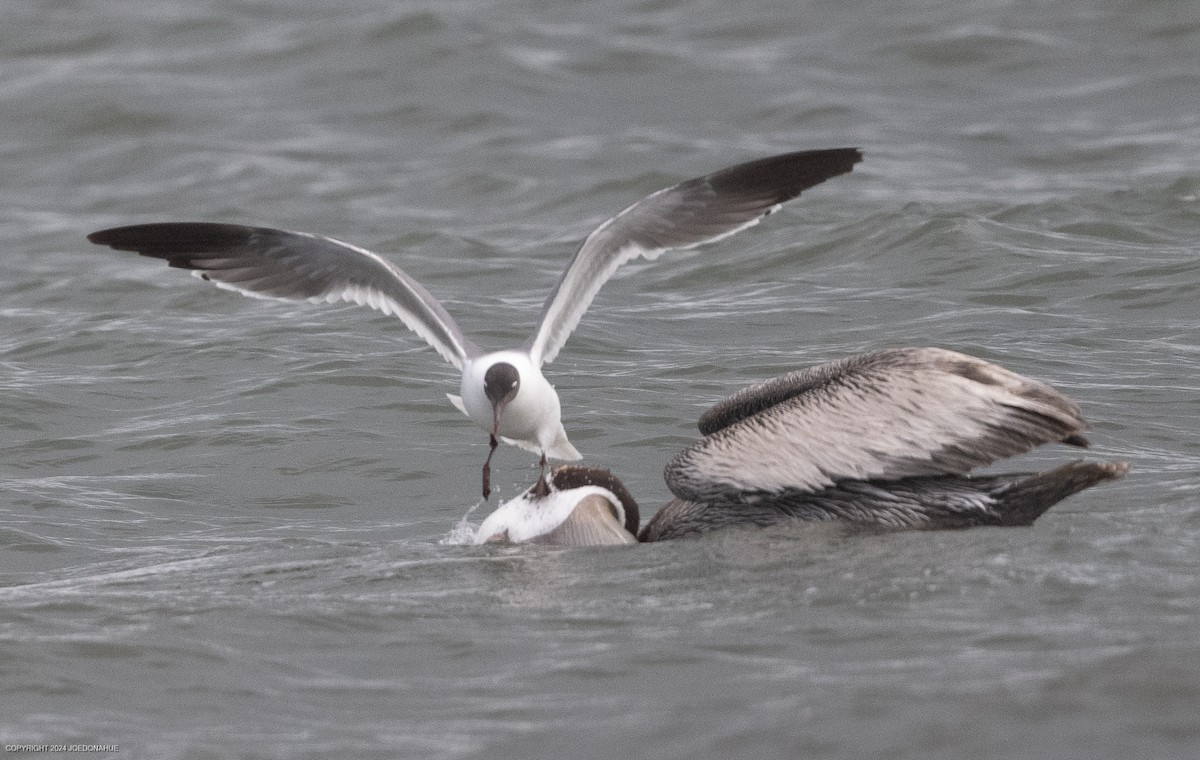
[(158, 238), (784, 176), (102, 237), (841, 160), (812, 167), (849, 157), (132, 237)]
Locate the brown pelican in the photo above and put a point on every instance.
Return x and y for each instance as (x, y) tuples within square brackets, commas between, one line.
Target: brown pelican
[(885, 439), (504, 392)]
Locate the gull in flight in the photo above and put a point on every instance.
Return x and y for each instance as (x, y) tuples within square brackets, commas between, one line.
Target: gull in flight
[(504, 392)]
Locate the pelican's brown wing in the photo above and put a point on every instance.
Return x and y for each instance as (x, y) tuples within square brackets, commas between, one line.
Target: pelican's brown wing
[(885, 415)]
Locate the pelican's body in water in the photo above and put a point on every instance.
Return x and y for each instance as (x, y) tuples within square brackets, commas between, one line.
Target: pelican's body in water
[(886, 439), (504, 392)]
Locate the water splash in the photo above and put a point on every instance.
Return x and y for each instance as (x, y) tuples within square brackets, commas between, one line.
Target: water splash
[(463, 532)]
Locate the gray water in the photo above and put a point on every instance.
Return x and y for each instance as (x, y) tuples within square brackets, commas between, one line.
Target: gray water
[(226, 525)]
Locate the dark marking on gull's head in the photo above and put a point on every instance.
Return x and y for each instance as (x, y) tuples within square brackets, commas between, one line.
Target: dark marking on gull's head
[(501, 383)]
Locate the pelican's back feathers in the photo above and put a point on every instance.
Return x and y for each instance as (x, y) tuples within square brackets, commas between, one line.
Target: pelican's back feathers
[(885, 415)]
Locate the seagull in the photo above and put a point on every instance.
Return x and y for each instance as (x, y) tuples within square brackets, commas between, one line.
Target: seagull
[(882, 440), (504, 392)]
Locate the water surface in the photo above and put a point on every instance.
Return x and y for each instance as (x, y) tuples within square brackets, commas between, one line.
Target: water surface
[(222, 521)]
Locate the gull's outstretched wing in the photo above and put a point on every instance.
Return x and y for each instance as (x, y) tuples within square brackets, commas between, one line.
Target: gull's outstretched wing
[(886, 415), (295, 266), (686, 215)]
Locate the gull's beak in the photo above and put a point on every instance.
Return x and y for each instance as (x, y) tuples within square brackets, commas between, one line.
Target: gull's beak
[(497, 410)]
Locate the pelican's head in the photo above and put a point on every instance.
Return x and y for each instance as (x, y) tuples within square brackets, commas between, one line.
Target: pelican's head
[(582, 506)]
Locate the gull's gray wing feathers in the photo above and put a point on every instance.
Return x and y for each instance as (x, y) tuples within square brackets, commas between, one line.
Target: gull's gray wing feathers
[(686, 215), (885, 415), (295, 266)]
